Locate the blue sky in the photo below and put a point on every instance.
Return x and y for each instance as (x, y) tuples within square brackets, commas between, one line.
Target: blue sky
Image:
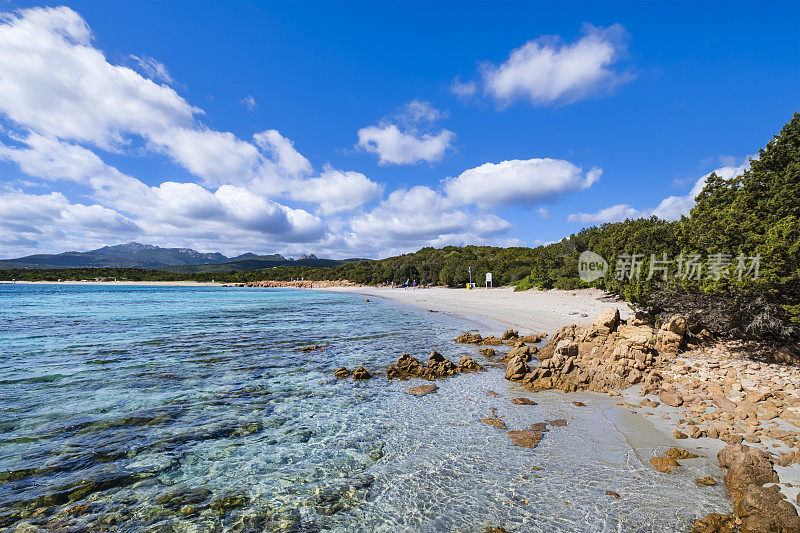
[(370, 129)]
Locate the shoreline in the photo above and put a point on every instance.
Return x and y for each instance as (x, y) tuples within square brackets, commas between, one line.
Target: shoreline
[(530, 311), (641, 418), (123, 283)]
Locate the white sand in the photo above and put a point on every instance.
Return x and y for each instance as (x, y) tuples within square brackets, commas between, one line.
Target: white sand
[(529, 311)]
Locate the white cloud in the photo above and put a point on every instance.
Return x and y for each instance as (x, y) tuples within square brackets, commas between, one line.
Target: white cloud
[(615, 213), (336, 191), (56, 84), (417, 217), (216, 156), (283, 153), (543, 213), (463, 89), (249, 102), (396, 147), (153, 69), (420, 111), (518, 182), (670, 208), (419, 213), (28, 219), (547, 70), (410, 144), (490, 224)]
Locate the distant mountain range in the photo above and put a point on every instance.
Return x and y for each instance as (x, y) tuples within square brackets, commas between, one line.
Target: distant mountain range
[(137, 255)]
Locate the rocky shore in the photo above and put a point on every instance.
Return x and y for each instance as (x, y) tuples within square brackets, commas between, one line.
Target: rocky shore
[(706, 392), (716, 393)]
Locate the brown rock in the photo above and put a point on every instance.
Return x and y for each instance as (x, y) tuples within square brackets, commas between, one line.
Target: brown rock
[(488, 353), (680, 453), (341, 372), (509, 334), (671, 397), (705, 481), (533, 339), (664, 464), (306, 349), (540, 426), (491, 340), (516, 369), (527, 438), (579, 404), (469, 338), (606, 322), (557, 423), (491, 394), (361, 373), (422, 390), (523, 401), (763, 509), (746, 466), (468, 364), (410, 366), (567, 348), (496, 422), (614, 494), (679, 434), (439, 367), (716, 523)]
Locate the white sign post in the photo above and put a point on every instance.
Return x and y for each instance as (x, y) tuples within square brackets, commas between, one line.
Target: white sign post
[(489, 280)]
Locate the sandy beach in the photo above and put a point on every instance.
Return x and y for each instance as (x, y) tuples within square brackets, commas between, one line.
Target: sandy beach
[(529, 311)]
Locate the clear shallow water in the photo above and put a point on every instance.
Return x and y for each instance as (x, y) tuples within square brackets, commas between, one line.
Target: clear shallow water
[(192, 409)]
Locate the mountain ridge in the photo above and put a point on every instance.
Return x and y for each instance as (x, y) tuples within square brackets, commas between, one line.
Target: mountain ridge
[(152, 257)]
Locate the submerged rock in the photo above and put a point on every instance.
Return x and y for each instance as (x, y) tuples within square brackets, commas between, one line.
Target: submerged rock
[(422, 390), (306, 349), (716, 523), (705, 481), (557, 423), (341, 372), (526, 438), (523, 401), (494, 421)]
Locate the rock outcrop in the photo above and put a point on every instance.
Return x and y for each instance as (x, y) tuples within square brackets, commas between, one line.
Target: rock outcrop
[(607, 355), (756, 507), (469, 338), (361, 373), (438, 367)]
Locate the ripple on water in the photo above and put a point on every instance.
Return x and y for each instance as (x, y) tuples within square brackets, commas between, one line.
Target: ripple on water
[(193, 408)]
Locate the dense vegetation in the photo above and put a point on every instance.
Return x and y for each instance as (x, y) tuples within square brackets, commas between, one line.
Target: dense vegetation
[(756, 214)]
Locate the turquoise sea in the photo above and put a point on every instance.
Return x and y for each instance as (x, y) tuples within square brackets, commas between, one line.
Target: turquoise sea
[(192, 409)]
